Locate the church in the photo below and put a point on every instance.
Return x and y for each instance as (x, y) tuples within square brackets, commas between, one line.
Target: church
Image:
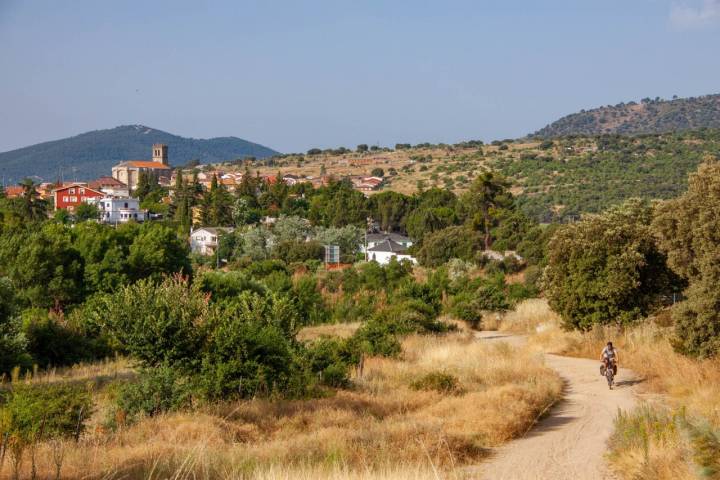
[(128, 172)]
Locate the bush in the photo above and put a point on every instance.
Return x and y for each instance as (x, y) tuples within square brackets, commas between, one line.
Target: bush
[(331, 358), (227, 285), (157, 390), (299, 251), (467, 308), (52, 343), (37, 413), (438, 381), (159, 324), (452, 242), (250, 351)]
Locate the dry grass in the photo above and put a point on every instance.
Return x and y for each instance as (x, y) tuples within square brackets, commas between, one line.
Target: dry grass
[(530, 316), (685, 385), (383, 428), (341, 330)]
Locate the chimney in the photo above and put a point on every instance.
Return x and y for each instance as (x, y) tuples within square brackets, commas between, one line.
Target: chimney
[(160, 153)]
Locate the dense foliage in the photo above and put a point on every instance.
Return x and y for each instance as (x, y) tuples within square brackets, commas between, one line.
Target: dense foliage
[(688, 231), (607, 268)]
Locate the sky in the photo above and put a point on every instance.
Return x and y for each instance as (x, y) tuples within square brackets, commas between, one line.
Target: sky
[(294, 74)]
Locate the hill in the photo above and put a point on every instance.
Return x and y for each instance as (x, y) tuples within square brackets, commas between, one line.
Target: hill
[(93, 154), (554, 180), (648, 116)]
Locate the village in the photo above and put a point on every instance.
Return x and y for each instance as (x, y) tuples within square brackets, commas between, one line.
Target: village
[(116, 201)]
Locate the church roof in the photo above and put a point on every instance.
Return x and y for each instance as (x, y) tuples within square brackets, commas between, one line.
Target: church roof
[(144, 164)]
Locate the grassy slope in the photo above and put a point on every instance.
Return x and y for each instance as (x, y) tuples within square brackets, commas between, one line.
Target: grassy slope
[(382, 427), (568, 177)]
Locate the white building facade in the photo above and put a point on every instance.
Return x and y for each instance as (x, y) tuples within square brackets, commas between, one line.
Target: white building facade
[(384, 252), (205, 241), (120, 210)]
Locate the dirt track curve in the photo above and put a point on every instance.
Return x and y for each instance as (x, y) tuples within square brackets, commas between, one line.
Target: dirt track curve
[(570, 443)]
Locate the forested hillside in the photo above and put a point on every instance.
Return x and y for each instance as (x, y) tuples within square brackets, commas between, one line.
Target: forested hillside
[(553, 180), (93, 154), (648, 116)]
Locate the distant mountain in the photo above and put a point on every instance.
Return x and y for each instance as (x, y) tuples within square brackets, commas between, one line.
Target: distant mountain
[(648, 116), (93, 154)]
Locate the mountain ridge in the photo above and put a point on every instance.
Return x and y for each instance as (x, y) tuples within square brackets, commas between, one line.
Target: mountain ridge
[(633, 118), (93, 153)]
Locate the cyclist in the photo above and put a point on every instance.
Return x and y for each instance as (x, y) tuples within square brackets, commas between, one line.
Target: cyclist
[(609, 356)]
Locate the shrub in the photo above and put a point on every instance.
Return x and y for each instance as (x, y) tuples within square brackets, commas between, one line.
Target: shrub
[(50, 342), (155, 391), (466, 307), (159, 324), (331, 358), (439, 381), (250, 351), (36, 413), (227, 285)]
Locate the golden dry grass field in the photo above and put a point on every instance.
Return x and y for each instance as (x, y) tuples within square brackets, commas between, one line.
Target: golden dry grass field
[(449, 167), (437, 408)]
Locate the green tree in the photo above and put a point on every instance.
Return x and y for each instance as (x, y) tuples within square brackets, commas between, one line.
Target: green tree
[(377, 172), (182, 203), (337, 205), (484, 203), (362, 148), (391, 209), (607, 268), (217, 205), (147, 185), (348, 238), (12, 343), (86, 211), (452, 242), (51, 271), (687, 231), (157, 251), (30, 206)]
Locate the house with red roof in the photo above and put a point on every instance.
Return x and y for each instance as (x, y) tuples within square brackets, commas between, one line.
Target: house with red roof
[(110, 186), (70, 196), (14, 191)]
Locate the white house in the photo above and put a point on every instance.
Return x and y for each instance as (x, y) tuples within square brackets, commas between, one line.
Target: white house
[(120, 210), (384, 251), (374, 239), (204, 241)]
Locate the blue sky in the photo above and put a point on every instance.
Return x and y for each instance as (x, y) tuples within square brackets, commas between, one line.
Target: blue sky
[(299, 74)]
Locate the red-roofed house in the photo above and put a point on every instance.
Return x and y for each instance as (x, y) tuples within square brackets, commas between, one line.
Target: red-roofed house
[(69, 197), (110, 186), (129, 172), (13, 191)]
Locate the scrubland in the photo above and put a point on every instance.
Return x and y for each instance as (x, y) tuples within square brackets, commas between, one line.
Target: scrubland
[(675, 433), (439, 406)]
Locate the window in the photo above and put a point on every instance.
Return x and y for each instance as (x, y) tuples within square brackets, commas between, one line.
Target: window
[(126, 205), (71, 191), (65, 198), (73, 199), (82, 191)]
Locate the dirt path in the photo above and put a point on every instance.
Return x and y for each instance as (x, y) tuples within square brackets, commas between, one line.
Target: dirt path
[(571, 441)]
